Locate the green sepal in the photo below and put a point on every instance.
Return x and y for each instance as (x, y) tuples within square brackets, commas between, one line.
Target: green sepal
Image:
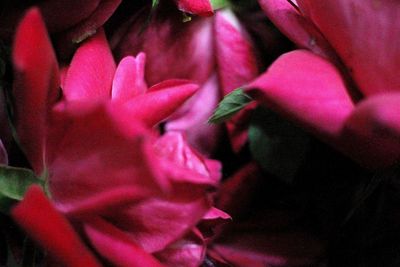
[(14, 182), (230, 105), (277, 145), (218, 4)]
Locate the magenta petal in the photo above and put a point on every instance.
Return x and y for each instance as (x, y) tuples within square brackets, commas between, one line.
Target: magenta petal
[(298, 28), (35, 85), (36, 215), (91, 72), (156, 105), (372, 132), (129, 78), (198, 7), (307, 89), (364, 33), (192, 117), (103, 163), (116, 246)]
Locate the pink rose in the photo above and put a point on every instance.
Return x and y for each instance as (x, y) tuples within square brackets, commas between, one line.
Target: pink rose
[(345, 88), (129, 191)]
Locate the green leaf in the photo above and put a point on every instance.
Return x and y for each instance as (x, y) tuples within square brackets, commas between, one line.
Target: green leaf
[(218, 4), (230, 105), (277, 145), (155, 3), (13, 184)]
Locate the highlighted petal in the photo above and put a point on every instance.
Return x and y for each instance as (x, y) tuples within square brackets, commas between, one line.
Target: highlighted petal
[(129, 78), (35, 85), (91, 72), (306, 89), (198, 7), (116, 246), (36, 215), (158, 104)]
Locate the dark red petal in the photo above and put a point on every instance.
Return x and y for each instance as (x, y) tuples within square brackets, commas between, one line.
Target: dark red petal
[(36, 215), (36, 84)]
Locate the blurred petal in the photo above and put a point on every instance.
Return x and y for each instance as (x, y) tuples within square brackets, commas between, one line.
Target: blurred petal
[(160, 101), (116, 246), (364, 33), (110, 161), (129, 78), (91, 72), (35, 85), (372, 132), (306, 89), (192, 118), (36, 215)]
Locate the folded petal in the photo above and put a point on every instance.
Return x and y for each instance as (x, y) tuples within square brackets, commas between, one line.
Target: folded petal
[(306, 89), (37, 216), (364, 34), (36, 83), (116, 246), (91, 72), (160, 101), (289, 19), (110, 161), (129, 78), (372, 132)]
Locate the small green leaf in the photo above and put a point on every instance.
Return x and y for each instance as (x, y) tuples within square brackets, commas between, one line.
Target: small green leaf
[(13, 184), (155, 3), (230, 105), (277, 145), (218, 4)]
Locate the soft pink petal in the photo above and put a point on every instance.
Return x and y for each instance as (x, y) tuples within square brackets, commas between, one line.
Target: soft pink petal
[(198, 7), (372, 132), (192, 118), (35, 85), (103, 163), (91, 72), (129, 78), (306, 89), (364, 33), (174, 50), (298, 28), (116, 246), (37, 216), (157, 105)]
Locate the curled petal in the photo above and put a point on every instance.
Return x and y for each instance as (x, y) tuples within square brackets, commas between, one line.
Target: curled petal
[(116, 246), (129, 78), (35, 85), (306, 89), (372, 132), (36, 215), (161, 101)]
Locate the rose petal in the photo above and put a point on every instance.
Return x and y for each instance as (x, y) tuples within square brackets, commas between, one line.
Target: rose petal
[(198, 7), (91, 72), (364, 34), (116, 246), (51, 230), (36, 84), (307, 89), (129, 78)]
